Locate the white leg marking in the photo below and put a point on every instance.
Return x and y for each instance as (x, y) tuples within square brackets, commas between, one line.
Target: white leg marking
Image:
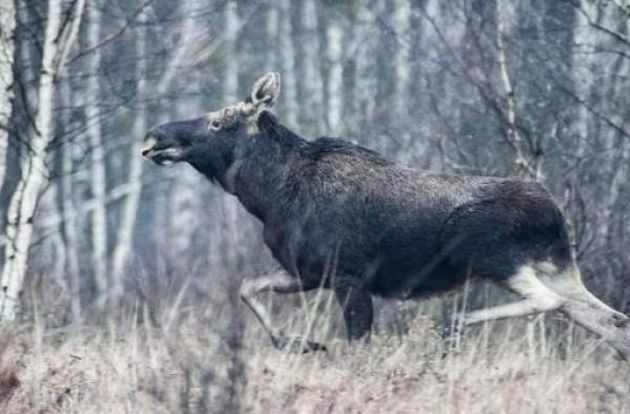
[(537, 298), (586, 309), (568, 284)]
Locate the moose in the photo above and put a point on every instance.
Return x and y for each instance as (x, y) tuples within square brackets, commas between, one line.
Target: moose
[(340, 216)]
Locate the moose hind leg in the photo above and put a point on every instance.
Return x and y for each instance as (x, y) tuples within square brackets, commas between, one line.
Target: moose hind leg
[(537, 298), (279, 281), (602, 323), (568, 283), (356, 304), (586, 309)]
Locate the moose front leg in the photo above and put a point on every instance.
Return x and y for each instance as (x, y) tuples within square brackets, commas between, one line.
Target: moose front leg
[(279, 281), (356, 303)]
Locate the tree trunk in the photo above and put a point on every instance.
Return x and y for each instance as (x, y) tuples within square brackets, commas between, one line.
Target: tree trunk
[(129, 213), (34, 175), (69, 224), (231, 252), (186, 201), (287, 63), (271, 28), (582, 78), (69, 232), (98, 178), (7, 27), (401, 23), (617, 68), (230, 79), (525, 168), (365, 81), (313, 103), (334, 87)]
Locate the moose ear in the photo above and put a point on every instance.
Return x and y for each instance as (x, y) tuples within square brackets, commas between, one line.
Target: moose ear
[(265, 91)]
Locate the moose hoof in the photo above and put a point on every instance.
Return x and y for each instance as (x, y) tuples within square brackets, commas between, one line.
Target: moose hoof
[(298, 344)]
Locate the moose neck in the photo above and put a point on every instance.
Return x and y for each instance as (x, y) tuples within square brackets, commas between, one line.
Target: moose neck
[(266, 166)]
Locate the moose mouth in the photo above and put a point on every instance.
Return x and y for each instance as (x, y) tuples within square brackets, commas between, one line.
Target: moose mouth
[(162, 156)]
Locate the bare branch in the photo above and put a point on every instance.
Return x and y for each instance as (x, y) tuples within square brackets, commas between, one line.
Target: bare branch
[(115, 35)]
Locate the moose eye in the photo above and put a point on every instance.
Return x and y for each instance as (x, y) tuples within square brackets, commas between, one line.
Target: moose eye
[(215, 125)]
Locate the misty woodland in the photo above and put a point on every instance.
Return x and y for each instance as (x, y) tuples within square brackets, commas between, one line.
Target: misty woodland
[(315, 206)]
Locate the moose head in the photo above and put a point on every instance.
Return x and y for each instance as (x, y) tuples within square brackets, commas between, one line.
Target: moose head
[(213, 141)]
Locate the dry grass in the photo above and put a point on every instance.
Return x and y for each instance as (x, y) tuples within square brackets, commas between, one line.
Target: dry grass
[(190, 366)]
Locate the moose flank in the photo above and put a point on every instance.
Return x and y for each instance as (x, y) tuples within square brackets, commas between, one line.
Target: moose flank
[(340, 216)]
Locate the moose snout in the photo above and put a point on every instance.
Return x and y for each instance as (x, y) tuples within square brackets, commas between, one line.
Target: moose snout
[(149, 144), (161, 147)]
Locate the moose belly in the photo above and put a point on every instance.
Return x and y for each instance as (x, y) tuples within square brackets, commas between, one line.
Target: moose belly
[(399, 263), (413, 263), (404, 280)]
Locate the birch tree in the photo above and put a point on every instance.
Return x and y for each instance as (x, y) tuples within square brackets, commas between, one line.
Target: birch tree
[(367, 41), (313, 104), (230, 207), (334, 85), (271, 31), (7, 27), (617, 68), (287, 63), (524, 167), (70, 233), (582, 71), (70, 215), (401, 22), (98, 173), (230, 77), (124, 240), (23, 203), (186, 200)]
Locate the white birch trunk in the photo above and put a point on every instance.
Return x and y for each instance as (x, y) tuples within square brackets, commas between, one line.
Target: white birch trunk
[(97, 157), (34, 175), (69, 231), (365, 85), (287, 62), (230, 79), (66, 208), (588, 77), (271, 28), (401, 22), (229, 207), (185, 201), (313, 104), (583, 80), (129, 214), (334, 87), (582, 76), (524, 167), (7, 26), (50, 250), (186, 53), (614, 70)]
